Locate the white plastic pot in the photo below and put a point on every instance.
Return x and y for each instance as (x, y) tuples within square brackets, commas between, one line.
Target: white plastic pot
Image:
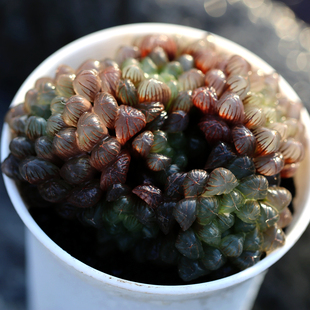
[(58, 281)]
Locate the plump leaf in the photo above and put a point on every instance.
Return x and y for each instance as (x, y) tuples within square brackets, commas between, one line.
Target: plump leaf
[(150, 194), (220, 181), (157, 162), (54, 190), (129, 122), (253, 187), (207, 209), (195, 182), (185, 212), (115, 172), (189, 245), (143, 142), (151, 110), (37, 170), (232, 245)]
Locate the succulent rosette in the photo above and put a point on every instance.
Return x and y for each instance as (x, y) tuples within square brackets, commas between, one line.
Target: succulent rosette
[(173, 151)]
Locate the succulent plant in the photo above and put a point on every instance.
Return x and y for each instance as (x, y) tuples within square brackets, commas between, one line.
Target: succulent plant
[(178, 151)]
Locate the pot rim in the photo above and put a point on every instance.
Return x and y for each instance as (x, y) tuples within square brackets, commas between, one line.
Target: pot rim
[(295, 230)]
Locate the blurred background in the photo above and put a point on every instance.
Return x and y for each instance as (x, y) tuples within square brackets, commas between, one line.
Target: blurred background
[(277, 31)]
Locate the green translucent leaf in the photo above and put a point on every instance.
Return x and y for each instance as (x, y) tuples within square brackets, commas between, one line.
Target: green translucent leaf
[(278, 197), (268, 216), (249, 212), (210, 233), (220, 181), (231, 202), (207, 209), (253, 240), (225, 221), (253, 187), (232, 245)]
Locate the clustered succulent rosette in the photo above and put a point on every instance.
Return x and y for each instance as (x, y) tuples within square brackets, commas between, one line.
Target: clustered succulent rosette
[(174, 150)]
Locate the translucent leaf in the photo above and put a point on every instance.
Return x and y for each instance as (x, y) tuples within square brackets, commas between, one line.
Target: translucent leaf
[(177, 121), (216, 79), (210, 233), (89, 64), (225, 221), (285, 218), (185, 212), (151, 110), (110, 77), (214, 129), (10, 167), (150, 194), (129, 122), (87, 84), (93, 216), (274, 238), (230, 108), (267, 140), (54, 124), (90, 130), (158, 122), (231, 202), (18, 124), (116, 172), (157, 162), (220, 181), (64, 85), (189, 245), (174, 68), (148, 65), (106, 107), (37, 170), (142, 144), (278, 197), (126, 92), (253, 187), (75, 107), (160, 141), (249, 212), (35, 127), (183, 101), (205, 99), (268, 216), (187, 61), (124, 205), (244, 140), (292, 150), (237, 65), (232, 245), (220, 155), (134, 73), (44, 149), (104, 152), (153, 90), (238, 85), (54, 190), (65, 144), (207, 209), (194, 182), (174, 185), (241, 226), (213, 258), (191, 79), (132, 224), (57, 105), (254, 117), (159, 56), (86, 195), (253, 240), (149, 42), (206, 60), (21, 147), (77, 170), (241, 167), (126, 51), (270, 164)]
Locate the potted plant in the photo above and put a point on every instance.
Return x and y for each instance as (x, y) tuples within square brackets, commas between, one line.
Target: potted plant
[(218, 206)]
